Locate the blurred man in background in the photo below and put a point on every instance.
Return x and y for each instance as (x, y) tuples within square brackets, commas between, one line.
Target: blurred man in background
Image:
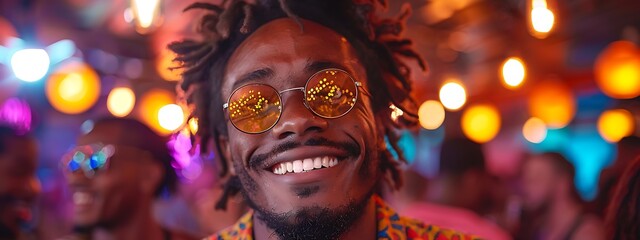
[(628, 149), (553, 208), (623, 213), (19, 185), (117, 171), (459, 196)]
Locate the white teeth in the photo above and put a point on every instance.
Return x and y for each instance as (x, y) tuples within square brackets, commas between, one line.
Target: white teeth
[(307, 164), (289, 167), (297, 166), (317, 163), (82, 198), (325, 161)]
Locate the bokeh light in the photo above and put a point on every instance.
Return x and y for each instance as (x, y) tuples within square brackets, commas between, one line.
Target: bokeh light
[(552, 102), (431, 114), (163, 65), (146, 14), (73, 88), (30, 65), (616, 124), (453, 95), (513, 72), (120, 101), (481, 122), (6, 31), (193, 125), (534, 130), (617, 70), (171, 117), (17, 113), (542, 18), (150, 104)]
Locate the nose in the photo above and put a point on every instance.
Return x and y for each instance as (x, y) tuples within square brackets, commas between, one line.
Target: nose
[(297, 119), (76, 177)]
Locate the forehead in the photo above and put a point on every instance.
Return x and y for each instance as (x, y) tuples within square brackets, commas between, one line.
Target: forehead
[(284, 47)]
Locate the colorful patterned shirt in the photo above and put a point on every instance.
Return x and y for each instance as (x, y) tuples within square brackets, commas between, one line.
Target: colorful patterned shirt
[(390, 227)]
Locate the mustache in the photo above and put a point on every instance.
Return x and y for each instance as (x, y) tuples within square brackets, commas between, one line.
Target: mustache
[(258, 160)]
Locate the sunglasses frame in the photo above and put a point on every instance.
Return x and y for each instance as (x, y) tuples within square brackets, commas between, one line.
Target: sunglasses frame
[(357, 85), (84, 164)]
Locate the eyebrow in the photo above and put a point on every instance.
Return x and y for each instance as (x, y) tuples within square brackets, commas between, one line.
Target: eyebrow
[(263, 73), (253, 76)]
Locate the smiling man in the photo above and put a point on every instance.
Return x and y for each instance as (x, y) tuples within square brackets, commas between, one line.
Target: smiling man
[(114, 174), (298, 97)]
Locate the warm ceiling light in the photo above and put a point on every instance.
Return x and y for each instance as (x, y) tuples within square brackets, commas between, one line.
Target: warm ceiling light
[(513, 72), (453, 95)]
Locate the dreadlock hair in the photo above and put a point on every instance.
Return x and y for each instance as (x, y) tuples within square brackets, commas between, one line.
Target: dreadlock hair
[(623, 213), (377, 41)]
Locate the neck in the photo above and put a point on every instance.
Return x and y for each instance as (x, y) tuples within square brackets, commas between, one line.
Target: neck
[(138, 225), (364, 227)]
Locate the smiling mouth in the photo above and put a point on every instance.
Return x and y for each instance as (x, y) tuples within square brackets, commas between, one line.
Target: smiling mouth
[(305, 165), (82, 198)]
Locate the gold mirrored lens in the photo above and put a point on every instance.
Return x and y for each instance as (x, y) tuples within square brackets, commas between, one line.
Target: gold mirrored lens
[(254, 108), (331, 93)]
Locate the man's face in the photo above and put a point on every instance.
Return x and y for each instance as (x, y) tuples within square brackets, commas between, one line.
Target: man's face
[(539, 180), (280, 54), (18, 184), (113, 192)]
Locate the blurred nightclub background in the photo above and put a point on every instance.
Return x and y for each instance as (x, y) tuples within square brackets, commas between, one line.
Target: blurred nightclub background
[(518, 76)]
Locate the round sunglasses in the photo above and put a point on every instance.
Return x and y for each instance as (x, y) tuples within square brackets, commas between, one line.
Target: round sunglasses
[(88, 159), (255, 108)]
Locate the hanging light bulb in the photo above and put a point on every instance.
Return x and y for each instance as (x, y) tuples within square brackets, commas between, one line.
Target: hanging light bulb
[(453, 95), (146, 14), (513, 72), (542, 19)]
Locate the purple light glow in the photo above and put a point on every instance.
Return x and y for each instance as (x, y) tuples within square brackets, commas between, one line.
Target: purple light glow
[(17, 113), (187, 165)]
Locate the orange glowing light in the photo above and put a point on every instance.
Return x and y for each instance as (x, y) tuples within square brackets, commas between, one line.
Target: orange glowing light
[(431, 114), (73, 88), (534, 130), (120, 101), (617, 70), (150, 105), (614, 125), (552, 102), (481, 122)]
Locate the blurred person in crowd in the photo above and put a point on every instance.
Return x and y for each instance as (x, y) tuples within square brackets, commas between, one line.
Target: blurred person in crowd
[(553, 209), (19, 185), (115, 173), (462, 177), (459, 196), (628, 149), (623, 213), (298, 97)]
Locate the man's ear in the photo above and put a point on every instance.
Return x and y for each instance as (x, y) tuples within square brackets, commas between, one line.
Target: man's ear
[(225, 152)]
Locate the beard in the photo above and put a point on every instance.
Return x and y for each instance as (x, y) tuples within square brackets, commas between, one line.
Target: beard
[(314, 222)]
